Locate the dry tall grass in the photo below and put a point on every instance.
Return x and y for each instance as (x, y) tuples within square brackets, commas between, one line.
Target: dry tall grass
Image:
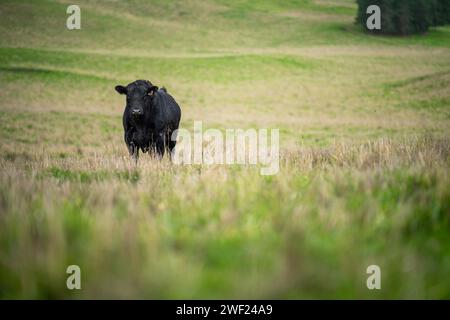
[(162, 230)]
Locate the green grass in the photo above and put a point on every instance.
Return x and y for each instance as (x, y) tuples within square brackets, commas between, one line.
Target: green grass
[(364, 134)]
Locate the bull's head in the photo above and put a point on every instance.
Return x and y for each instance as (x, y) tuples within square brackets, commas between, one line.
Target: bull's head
[(139, 93)]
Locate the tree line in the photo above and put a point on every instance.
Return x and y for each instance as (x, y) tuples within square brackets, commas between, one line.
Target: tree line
[(403, 17)]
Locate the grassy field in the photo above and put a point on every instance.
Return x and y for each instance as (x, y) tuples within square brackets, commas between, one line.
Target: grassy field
[(365, 153)]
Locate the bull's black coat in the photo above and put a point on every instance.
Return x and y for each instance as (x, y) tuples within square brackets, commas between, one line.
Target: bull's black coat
[(151, 116)]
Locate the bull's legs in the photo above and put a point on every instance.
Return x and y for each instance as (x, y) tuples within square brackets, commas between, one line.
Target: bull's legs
[(134, 151), (160, 145), (172, 136), (136, 155)]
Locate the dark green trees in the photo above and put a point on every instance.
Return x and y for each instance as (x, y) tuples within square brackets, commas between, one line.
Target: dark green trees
[(404, 17)]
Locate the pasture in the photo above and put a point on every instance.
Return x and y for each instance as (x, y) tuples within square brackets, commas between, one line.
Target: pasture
[(364, 153)]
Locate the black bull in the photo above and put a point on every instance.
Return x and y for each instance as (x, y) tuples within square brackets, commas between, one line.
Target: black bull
[(150, 118)]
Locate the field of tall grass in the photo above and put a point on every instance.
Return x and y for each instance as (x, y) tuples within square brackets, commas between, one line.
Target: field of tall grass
[(364, 153)]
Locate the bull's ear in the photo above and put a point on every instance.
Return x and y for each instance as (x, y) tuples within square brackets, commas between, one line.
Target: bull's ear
[(121, 89), (152, 90)]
